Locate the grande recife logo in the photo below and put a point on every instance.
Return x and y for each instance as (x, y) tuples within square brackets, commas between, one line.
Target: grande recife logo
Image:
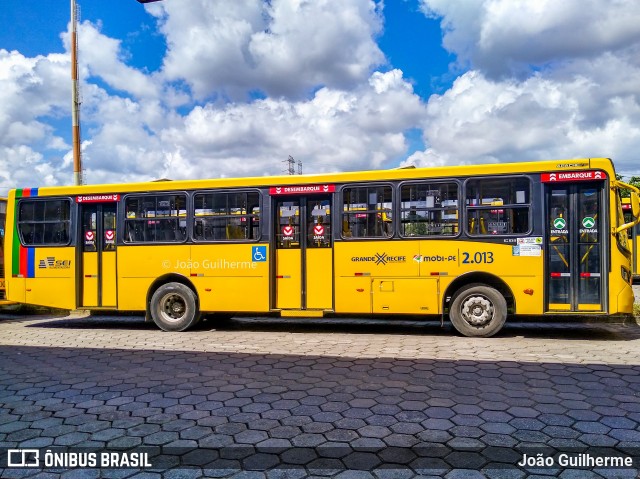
[(379, 259)]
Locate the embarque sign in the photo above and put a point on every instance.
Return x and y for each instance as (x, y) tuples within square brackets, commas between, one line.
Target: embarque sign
[(588, 175)]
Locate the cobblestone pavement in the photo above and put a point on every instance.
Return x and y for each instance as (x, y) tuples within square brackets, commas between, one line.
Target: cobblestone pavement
[(348, 399)]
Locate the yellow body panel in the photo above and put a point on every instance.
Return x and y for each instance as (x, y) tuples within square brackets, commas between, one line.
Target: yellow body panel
[(51, 292), (224, 275), (90, 279), (16, 290), (406, 295), (438, 262), (589, 307), (109, 279), (288, 279), (139, 266), (353, 294), (54, 283), (319, 272), (559, 307), (132, 293), (243, 294), (301, 313), (227, 279)]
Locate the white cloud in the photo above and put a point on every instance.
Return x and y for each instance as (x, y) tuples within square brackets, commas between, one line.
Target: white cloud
[(335, 130), (30, 95), (283, 47), (547, 80), (532, 92), (102, 57), (502, 37)]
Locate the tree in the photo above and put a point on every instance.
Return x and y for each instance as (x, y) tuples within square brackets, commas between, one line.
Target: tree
[(634, 181)]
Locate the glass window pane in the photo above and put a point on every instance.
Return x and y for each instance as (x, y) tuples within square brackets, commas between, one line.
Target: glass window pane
[(498, 206), (429, 209), (226, 216), (44, 222), (156, 218), (367, 212)]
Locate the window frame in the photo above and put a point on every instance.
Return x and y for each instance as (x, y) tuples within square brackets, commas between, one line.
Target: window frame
[(431, 181), (69, 221), (138, 195), (469, 208), (342, 213), (247, 191)]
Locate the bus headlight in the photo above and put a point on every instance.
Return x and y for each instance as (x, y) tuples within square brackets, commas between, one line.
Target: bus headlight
[(626, 274)]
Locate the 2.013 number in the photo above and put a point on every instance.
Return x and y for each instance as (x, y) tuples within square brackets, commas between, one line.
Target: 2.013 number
[(479, 257)]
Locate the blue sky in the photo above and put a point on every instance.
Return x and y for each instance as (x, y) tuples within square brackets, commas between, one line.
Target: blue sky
[(209, 88)]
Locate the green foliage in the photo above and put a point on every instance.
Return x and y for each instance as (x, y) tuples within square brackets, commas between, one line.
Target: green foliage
[(633, 181)]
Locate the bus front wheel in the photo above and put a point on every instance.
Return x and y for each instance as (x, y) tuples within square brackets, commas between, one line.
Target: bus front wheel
[(174, 307), (478, 311)]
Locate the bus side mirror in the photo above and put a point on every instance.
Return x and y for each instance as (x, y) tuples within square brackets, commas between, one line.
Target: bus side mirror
[(635, 205)]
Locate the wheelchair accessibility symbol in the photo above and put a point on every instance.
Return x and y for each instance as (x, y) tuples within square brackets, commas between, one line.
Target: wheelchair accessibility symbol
[(258, 254)]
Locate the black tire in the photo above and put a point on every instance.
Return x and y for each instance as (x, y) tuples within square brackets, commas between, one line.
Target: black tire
[(174, 307), (478, 311)]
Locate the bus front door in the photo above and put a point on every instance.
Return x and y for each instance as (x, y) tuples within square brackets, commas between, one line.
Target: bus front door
[(304, 253), (575, 242), (98, 248)]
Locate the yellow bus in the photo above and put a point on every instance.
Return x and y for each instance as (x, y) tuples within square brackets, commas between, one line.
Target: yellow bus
[(634, 232), (471, 244)]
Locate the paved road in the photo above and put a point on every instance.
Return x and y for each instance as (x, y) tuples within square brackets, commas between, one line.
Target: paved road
[(267, 398)]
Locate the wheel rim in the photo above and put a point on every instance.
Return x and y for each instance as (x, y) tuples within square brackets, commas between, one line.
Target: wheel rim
[(477, 310), (173, 307)]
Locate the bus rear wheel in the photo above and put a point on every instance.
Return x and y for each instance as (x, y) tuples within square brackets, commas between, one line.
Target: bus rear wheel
[(478, 311), (174, 307)]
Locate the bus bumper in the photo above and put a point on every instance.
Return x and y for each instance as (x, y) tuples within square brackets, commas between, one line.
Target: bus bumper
[(625, 300)]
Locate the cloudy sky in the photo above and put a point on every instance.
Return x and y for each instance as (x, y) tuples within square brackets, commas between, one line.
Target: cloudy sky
[(209, 88)]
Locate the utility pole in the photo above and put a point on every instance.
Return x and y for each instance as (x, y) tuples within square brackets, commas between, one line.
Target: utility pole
[(75, 98), (291, 165)]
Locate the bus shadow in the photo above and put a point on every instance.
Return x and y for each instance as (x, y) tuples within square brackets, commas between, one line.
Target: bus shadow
[(515, 329), (528, 329)]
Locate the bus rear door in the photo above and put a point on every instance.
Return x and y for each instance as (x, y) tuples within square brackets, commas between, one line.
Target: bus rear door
[(304, 253), (98, 252)]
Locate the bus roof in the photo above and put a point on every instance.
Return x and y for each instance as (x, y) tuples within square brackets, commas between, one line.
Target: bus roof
[(604, 164)]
